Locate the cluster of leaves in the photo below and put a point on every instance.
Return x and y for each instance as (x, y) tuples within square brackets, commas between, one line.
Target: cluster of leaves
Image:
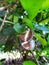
[(22, 13)]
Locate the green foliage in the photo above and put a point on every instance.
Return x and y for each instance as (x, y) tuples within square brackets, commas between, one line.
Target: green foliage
[(28, 23), (45, 4), (48, 39), (10, 17), (35, 17), (42, 41), (15, 20), (45, 52), (0, 63), (32, 7), (10, 1), (43, 22), (28, 63), (19, 28)]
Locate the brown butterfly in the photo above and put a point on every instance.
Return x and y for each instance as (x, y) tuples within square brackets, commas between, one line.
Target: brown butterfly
[(26, 40)]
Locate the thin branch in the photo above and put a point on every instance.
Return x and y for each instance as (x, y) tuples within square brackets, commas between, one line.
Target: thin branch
[(4, 20), (45, 59), (2, 8), (35, 59), (5, 7)]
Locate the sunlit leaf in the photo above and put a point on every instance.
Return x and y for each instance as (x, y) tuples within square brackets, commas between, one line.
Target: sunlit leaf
[(15, 19), (32, 7), (10, 17), (45, 52), (43, 22), (45, 4), (28, 23), (28, 63)]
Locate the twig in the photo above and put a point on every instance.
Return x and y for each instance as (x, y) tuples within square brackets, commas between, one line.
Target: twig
[(35, 59), (45, 59), (2, 8), (4, 20), (5, 7)]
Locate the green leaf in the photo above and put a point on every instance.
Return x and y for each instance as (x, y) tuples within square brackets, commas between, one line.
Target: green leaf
[(45, 52), (43, 41), (32, 7), (28, 23), (19, 28), (43, 22), (10, 1), (48, 39), (45, 4), (28, 63), (10, 17), (0, 63), (15, 19)]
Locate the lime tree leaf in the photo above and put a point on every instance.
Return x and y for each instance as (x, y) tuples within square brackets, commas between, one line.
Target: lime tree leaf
[(19, 28), (28, 63), (32, 7), (28, 23), (43, 41), (45, 4), (15, 19)]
